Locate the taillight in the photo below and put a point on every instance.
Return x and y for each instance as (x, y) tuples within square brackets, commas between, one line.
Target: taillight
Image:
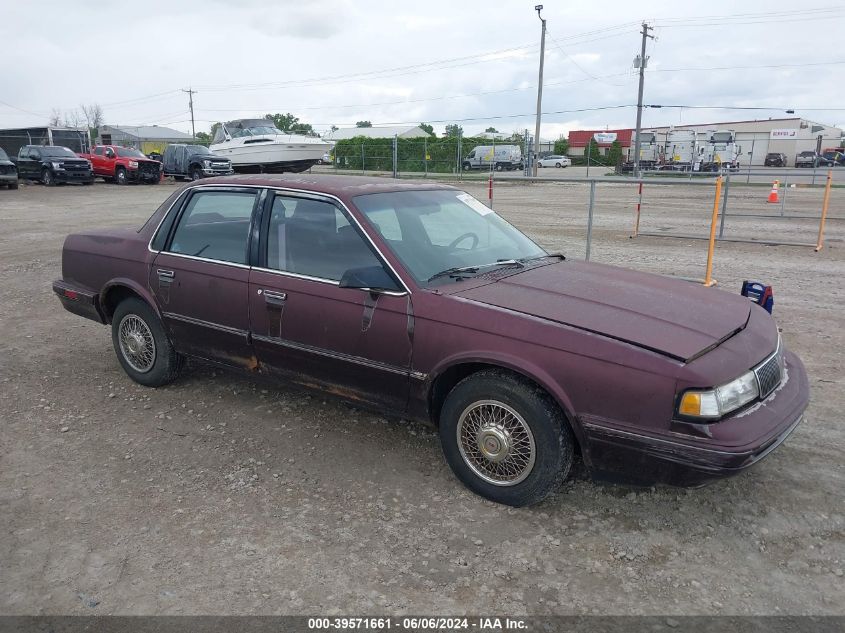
[(70, 294)]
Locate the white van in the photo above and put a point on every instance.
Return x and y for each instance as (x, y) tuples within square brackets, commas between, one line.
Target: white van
[(497, 156)]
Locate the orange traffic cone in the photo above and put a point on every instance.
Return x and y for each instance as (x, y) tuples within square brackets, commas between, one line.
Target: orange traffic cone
[(773, 195)]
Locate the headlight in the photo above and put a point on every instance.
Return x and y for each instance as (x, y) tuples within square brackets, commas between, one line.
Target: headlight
[(133, 164), (206, 163), (712, 404), (56, 165)]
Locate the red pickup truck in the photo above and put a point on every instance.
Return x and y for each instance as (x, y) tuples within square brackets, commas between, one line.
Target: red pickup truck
[(123, 165)]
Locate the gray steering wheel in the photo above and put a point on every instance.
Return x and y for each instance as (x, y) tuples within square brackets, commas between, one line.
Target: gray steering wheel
[(463, 237)]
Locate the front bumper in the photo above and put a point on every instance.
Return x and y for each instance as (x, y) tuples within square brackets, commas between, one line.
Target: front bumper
[(61, 175), (218, 172), (736, 443)]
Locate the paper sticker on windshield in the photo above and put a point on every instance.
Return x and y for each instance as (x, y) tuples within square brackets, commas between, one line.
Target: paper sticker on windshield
[(474, 204)]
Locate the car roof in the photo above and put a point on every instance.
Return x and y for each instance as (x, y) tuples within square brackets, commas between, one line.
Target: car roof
[(345, 186)]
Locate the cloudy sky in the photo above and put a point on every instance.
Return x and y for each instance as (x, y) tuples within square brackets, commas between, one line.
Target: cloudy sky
[(335, 62)]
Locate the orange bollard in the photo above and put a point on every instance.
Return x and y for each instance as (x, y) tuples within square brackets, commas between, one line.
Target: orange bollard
[(825, 203), (708, 274)]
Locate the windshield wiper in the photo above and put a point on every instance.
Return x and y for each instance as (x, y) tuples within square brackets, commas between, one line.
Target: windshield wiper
[(459, 271), (531, 259)]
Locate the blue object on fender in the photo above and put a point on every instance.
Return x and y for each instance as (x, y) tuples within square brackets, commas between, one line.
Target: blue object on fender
[(760, 294)]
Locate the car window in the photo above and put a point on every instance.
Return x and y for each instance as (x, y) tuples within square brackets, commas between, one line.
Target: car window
[(215, 225), (98, 151), (314, 238)]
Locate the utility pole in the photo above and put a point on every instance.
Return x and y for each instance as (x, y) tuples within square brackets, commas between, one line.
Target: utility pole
[(539, 8), (191, 94), (642, 60)]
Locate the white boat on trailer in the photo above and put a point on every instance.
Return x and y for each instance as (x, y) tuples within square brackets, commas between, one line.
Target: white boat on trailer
[(257, 146)]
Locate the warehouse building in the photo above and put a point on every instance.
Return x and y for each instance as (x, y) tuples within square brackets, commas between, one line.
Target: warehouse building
[(756, 138), (147, 138)]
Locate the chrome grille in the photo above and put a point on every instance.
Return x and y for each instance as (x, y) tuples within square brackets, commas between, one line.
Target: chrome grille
[(769, 374)]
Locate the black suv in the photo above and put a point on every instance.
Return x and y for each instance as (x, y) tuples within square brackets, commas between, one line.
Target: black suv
[(8, 171), (775, 160), (51, 164), (194, 162)]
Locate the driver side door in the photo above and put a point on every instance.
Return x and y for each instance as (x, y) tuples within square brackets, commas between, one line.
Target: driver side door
[(305, 327)]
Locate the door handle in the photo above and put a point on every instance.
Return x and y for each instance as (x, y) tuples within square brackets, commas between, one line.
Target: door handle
[(165, 275), (273, 298)]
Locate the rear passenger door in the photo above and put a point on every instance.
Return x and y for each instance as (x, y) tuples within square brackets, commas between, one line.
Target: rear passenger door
[(200, 277)]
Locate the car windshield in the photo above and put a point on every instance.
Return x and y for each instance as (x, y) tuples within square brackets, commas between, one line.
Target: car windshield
[(435, 231), (199, 149), (257, 130), (807, 154), (129, 152), (57, 152)]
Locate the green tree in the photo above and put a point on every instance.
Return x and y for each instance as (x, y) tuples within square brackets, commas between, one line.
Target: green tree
[(614, 155), (492, 130), (203, 137), (593, 152), (282, 121), (363, 124), (428, 129), (302, 128), (562, 146), (453, 130)]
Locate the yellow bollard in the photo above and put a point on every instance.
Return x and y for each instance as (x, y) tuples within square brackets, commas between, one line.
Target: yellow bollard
[(708, 274), (820, 242)]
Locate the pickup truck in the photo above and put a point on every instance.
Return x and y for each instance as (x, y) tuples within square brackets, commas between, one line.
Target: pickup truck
[(123, 165), (194, 162), (52, 164)]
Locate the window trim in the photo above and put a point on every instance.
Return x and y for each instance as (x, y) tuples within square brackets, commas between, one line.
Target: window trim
[(264, 196)]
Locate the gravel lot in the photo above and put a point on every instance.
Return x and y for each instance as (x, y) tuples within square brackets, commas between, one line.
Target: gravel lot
[(220, 494)]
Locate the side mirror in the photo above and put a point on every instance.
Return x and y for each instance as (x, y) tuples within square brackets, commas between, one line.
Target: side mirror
[(373, 278)]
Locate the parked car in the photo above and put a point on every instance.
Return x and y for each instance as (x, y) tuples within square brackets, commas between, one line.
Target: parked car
[(554, 161), (123, 165), (498, 157), (194, 162), (775, 160), (8, 172), (51, 165), (835, 156), (811, 159), (420, 301)]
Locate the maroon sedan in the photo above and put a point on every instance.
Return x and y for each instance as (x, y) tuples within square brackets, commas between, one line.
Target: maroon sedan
[(417, 299)]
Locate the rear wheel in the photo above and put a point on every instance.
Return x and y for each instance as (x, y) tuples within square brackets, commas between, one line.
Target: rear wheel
[(120, 176), (13, 185), (142, 346), (47, 177), (499, 167), (557, 165), (505, 438)]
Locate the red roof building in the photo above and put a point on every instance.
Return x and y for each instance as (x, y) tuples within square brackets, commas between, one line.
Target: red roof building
[(578, 139)]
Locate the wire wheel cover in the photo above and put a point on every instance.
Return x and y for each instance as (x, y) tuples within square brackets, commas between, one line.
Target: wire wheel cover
[(137, 343), (496, 443)]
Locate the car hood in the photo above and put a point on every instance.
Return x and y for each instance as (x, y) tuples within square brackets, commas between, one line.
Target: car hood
[(669, 316), (215, 157)]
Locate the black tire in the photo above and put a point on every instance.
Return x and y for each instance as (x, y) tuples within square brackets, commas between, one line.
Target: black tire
[(554, 443), (47, 178), (166, 362), (120, 176), (467, 167), (13, 185), (499, 167), (557, 165), (196, 174)]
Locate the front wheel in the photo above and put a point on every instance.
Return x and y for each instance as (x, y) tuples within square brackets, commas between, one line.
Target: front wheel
[(505, 438), (13, 185), (47, 177), (142, 346), (196, 174), (120, 176), (499, 167)]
